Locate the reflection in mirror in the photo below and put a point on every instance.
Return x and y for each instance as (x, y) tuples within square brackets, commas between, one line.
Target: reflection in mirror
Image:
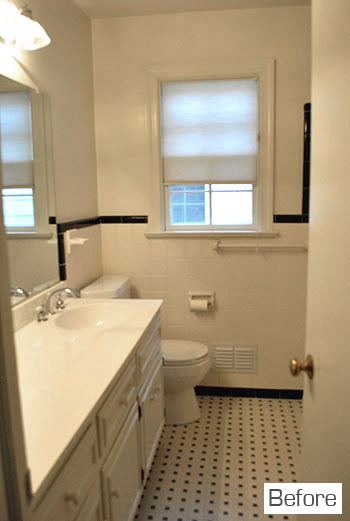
[(27, 189)]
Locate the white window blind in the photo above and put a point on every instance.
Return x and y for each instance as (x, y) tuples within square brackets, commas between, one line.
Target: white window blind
[(209, 131), (16, 140)]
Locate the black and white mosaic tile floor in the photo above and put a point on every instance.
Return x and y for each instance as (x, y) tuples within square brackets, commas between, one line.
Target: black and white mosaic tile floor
[(215, 469)]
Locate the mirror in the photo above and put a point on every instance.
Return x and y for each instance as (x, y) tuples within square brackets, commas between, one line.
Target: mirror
[(27, 189)]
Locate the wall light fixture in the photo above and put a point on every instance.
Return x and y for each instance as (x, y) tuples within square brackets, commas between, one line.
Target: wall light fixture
[(17, 28)]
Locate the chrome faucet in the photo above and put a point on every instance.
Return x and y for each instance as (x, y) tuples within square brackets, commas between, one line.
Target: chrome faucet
[(60, 295)]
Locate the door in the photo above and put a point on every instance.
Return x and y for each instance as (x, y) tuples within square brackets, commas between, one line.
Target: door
[(326, 446)]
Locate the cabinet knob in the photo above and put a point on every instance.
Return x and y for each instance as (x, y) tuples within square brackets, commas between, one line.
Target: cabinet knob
[(116, 492), (124, 402), (156, 392), (72, 498)]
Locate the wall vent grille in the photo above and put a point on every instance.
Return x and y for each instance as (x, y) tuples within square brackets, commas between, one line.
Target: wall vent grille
[(234, 358)]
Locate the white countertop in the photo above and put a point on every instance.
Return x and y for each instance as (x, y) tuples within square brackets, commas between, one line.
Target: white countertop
[(63, 372)]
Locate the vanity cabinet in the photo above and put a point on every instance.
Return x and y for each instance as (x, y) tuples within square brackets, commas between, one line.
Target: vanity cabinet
[(102, 476)]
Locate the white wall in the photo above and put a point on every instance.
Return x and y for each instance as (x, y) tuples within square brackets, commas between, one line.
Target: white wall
[(260, 297)]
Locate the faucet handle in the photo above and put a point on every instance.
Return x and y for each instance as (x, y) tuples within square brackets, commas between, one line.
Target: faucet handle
[(60, 303), (42, 316)]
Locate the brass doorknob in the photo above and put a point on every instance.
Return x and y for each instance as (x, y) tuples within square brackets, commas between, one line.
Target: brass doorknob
[(307, 366)]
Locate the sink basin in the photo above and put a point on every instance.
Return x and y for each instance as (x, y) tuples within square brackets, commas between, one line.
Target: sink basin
[(104, 315)]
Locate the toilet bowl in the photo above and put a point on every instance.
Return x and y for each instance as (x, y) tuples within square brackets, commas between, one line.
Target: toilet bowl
[(185, 365)]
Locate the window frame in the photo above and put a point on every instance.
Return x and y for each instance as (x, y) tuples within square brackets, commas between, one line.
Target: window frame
[(261, 69)]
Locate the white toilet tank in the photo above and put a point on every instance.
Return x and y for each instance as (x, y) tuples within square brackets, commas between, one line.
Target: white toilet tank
[(108, 286)]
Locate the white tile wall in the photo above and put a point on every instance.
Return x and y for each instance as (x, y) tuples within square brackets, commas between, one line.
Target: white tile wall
[(260, 296)]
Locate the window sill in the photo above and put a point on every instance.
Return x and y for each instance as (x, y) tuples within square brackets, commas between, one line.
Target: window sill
[(217, 234), (28, 235)]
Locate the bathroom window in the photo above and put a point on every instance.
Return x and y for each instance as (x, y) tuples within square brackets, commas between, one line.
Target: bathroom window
[(212, 129), (210, 152), (17, 159), (24, 187)]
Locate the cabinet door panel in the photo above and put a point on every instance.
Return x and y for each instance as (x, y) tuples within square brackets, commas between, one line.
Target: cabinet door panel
[(121, 473), (113, 412), (152, 420), (92, 508), (69, 490), (148, 350)]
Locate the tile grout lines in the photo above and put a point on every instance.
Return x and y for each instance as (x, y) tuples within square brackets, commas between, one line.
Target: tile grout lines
[(214, 469)]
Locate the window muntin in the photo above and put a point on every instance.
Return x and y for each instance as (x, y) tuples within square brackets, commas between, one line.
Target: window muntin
[(210, 138)]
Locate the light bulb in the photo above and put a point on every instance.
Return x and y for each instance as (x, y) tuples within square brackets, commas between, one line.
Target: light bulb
[(19, 30)]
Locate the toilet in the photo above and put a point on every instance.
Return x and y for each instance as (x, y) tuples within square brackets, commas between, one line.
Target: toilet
[(185, 362), (185, 365), (108, 286)]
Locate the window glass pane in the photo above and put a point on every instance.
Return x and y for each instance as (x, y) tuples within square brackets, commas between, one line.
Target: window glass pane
[(193, 209), (177, 213), (193, 197), (235, 208), (18, 207), (178, 198)]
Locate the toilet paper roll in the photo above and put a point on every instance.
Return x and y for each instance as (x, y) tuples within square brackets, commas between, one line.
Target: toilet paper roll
[(199, 304)]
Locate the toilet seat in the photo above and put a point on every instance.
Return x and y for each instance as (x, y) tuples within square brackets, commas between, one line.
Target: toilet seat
[(183, 352)]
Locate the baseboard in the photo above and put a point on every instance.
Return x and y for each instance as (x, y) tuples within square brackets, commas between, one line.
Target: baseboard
[(245, 392)]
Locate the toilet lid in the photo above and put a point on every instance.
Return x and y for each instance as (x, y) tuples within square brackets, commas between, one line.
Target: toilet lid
[(183, 352)]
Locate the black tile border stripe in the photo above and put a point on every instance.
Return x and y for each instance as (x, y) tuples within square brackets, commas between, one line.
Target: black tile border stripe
[(105, 219), (288, 218), (124, 219), (245, 392), (79, 223)]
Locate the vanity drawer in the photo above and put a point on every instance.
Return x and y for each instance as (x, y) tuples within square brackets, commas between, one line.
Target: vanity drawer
[(66, 495), (149, 350), (115, 409)]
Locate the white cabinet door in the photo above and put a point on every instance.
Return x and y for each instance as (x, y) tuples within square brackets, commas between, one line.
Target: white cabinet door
[(121, 473), (151, 401), (92, 508)]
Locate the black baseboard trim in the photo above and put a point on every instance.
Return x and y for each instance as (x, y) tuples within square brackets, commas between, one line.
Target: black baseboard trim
[(245, 392)]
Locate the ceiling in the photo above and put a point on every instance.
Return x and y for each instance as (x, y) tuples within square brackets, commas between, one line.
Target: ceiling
[(110, 8)]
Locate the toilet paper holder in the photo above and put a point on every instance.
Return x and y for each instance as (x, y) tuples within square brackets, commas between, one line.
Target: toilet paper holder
[(207, 297)]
